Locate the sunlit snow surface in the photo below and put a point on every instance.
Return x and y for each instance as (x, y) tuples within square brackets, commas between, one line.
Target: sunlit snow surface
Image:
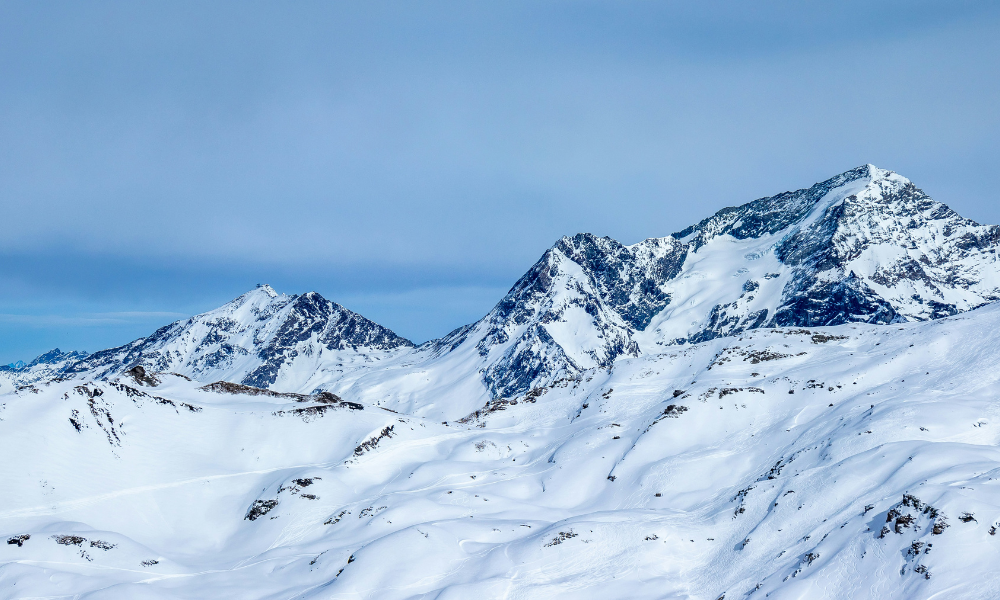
[(689, 472)]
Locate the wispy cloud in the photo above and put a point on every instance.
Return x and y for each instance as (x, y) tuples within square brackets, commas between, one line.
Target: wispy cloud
[(88, 319)]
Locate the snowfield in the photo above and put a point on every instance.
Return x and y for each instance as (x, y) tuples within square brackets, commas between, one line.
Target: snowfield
[(794, 398), (853, 461)]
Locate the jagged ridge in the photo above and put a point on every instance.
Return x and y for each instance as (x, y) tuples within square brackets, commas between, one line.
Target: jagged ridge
[(864, 246)]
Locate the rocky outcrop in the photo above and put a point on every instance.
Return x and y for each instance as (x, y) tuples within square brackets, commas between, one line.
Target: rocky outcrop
[(576, 308)]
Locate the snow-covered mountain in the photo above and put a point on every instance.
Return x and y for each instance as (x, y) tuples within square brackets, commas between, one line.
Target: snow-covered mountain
[(46, 366), (577, 308), (262, 338), (791, 399), (864, 246)]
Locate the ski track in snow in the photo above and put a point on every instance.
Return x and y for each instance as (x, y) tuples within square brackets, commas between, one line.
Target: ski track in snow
[(68, 505)]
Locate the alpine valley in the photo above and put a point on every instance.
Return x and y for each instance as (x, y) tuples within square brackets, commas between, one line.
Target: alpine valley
[(793, 398)]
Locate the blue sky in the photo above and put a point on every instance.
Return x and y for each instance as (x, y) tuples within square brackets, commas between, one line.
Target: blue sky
[(411, 160)]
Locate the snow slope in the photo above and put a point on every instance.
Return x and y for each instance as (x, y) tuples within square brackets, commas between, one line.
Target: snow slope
[(850, 461)]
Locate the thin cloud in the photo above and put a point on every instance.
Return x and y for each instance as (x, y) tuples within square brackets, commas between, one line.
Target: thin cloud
[(88, 320)]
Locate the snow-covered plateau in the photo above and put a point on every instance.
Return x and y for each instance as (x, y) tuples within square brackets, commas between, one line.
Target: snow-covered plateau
[(794, 398)]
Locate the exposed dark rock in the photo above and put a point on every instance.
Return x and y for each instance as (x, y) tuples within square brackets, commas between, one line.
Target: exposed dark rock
[(139, 374), (619, 289), (227, 387), (259, 508), (810, 303), (68, 540), (372, 442)]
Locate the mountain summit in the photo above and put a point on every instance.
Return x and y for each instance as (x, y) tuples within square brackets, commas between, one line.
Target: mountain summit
[(261, 339), (864, 246)]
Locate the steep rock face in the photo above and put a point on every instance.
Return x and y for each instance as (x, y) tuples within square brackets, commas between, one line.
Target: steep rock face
[(767, 216), (249, 340), (577, 308), (906, 251), (312, 319)]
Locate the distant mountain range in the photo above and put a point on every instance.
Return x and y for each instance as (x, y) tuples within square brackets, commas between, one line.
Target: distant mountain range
[(865, 246)]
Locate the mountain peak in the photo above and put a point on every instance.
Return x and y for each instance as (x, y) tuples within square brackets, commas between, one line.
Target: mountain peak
[(576, 308), (774, 214), (55, 356), (876, 173), (266, 289), (261, 294), (864, 246), (261, 338)]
